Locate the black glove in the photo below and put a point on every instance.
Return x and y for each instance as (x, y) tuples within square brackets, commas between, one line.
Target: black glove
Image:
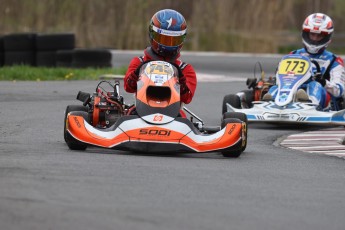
[(319, 78), (137, 70), (179, 72), (322, 81), (183, 85), (134, 77), (182, 79)]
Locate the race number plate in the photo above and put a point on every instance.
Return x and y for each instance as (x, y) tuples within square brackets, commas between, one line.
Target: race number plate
[(293, 66)]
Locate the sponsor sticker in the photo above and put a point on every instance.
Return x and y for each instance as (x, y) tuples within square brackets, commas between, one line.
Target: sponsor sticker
[(158, 118), (232, 129), (77, 122), (154, 132)]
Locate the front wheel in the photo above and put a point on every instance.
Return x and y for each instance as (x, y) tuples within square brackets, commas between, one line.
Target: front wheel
[(71, 142), (248, 97), (234, 117), (231, 99), (238, 115)]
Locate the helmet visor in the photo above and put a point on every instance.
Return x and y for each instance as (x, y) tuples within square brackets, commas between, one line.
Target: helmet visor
[(323, 41), (167, 37)]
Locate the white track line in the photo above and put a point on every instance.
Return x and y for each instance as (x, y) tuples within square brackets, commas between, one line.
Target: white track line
[(327, 141)]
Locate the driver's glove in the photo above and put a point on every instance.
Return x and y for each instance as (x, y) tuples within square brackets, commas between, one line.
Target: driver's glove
[(134, 76), (319, 78), (182, 80), (137, 71), (183, 84)]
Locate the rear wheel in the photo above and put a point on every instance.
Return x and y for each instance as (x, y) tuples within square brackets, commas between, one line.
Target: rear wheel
[(231, 99), (235, 117), (73, 143)]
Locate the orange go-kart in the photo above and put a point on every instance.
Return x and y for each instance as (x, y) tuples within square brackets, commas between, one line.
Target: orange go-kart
[(156, 123)]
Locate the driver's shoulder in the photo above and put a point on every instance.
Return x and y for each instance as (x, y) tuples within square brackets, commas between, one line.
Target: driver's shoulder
[(299, 51), (324, 57), (334, 59), (328, 54)]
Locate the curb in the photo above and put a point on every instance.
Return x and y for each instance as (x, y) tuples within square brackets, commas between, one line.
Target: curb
[(328, 141)]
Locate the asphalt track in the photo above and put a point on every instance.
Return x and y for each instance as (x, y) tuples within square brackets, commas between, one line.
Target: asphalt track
[(44, 185)]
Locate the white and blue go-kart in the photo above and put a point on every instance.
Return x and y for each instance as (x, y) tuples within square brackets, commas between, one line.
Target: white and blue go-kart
[(293, 70)]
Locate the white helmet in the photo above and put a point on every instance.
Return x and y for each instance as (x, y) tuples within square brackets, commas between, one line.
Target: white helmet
[(320, 24)]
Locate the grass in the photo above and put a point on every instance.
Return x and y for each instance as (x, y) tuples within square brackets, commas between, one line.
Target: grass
[(29, 73)]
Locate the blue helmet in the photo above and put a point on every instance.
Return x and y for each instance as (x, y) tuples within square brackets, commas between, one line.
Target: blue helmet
[(167, 32)]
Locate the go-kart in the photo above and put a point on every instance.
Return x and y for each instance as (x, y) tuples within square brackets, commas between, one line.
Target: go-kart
[(293, 71), (155, 123)]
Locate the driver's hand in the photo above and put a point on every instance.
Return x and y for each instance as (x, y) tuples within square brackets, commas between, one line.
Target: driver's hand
[(137, 70), (134, 77), (319, 78), (179, 70), (181, 79)]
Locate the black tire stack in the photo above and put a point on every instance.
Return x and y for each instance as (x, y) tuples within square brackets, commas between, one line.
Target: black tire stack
[(48, 46), (64, 58), (19, 49), (1, 51), (50, 50), (96, 58)]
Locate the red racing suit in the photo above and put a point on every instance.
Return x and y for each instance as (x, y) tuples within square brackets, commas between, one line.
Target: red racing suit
[(187, 90)]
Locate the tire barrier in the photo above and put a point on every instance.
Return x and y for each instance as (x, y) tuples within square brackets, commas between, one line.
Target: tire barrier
[(50, 50), (64, 58), (46, 58), (19, 49), (50, 42), (20, 42), (97, 58), (1, 51), (47, 46), (19, 58)]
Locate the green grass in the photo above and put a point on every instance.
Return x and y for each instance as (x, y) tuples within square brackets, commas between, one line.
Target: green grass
[(29, 73)]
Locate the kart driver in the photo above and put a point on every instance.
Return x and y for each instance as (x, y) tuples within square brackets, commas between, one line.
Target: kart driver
[(317, 31), (167, 32)]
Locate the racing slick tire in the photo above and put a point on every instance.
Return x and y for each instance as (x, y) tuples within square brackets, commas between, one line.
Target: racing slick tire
[(241, 116), (71, 142), (248, 97), (231, 99), (234, 117)]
